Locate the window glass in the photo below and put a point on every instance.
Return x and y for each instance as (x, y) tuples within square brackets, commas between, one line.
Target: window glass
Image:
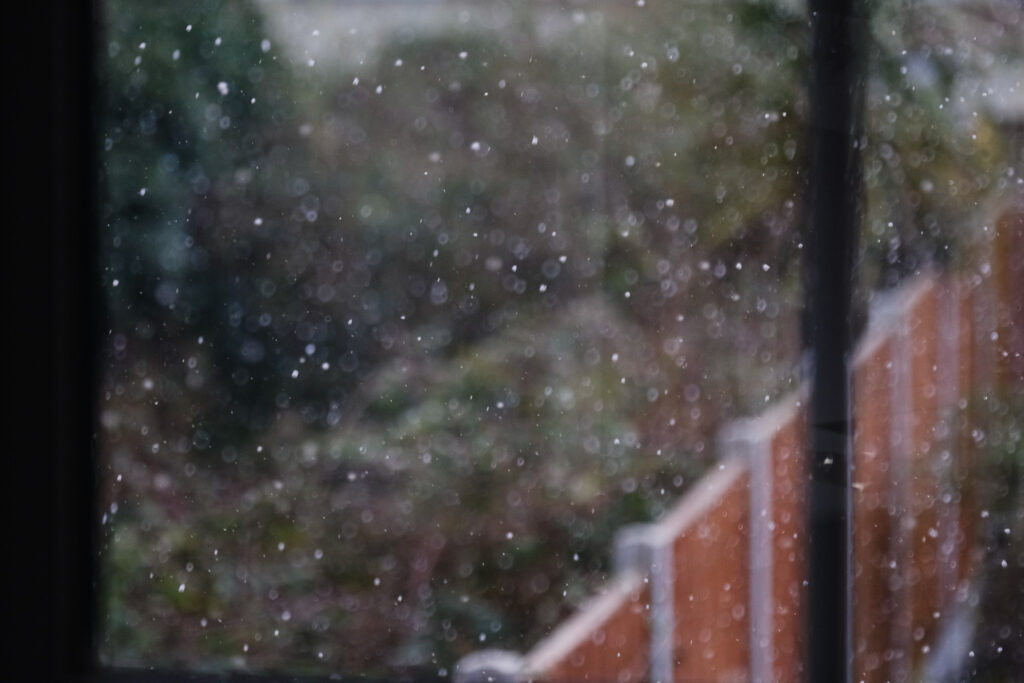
[(411, 307)]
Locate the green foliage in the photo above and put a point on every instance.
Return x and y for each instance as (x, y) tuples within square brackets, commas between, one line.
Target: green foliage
[(397, 344)]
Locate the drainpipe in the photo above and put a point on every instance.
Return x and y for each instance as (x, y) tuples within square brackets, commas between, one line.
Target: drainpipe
[(836, 83)]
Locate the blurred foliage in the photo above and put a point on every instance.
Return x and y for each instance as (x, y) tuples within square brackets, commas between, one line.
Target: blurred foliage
[(396, 344), (935, 155)]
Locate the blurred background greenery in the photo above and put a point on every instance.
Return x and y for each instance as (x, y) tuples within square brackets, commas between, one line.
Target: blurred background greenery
[(412, 305)]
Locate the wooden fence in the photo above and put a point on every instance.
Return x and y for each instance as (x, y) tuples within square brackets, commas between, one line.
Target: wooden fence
[(716, 590)]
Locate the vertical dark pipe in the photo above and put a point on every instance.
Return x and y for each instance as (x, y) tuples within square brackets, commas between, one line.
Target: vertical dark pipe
[(835, 85)]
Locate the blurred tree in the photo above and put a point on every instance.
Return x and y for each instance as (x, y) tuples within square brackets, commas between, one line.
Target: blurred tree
[(396, 346)]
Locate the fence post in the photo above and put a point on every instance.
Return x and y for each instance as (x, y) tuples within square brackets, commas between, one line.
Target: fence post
[(646, 550), (738, 440)]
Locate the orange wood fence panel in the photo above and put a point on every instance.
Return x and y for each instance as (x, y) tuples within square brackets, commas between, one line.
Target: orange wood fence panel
[(873, 604), (921, 516), (606, 640), (711, 556), (789, 570)]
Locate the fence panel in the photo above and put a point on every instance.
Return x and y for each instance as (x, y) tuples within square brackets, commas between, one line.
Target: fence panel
[(606, 640), (873, 604), (920, 568), (711, 556), (789, 570)]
